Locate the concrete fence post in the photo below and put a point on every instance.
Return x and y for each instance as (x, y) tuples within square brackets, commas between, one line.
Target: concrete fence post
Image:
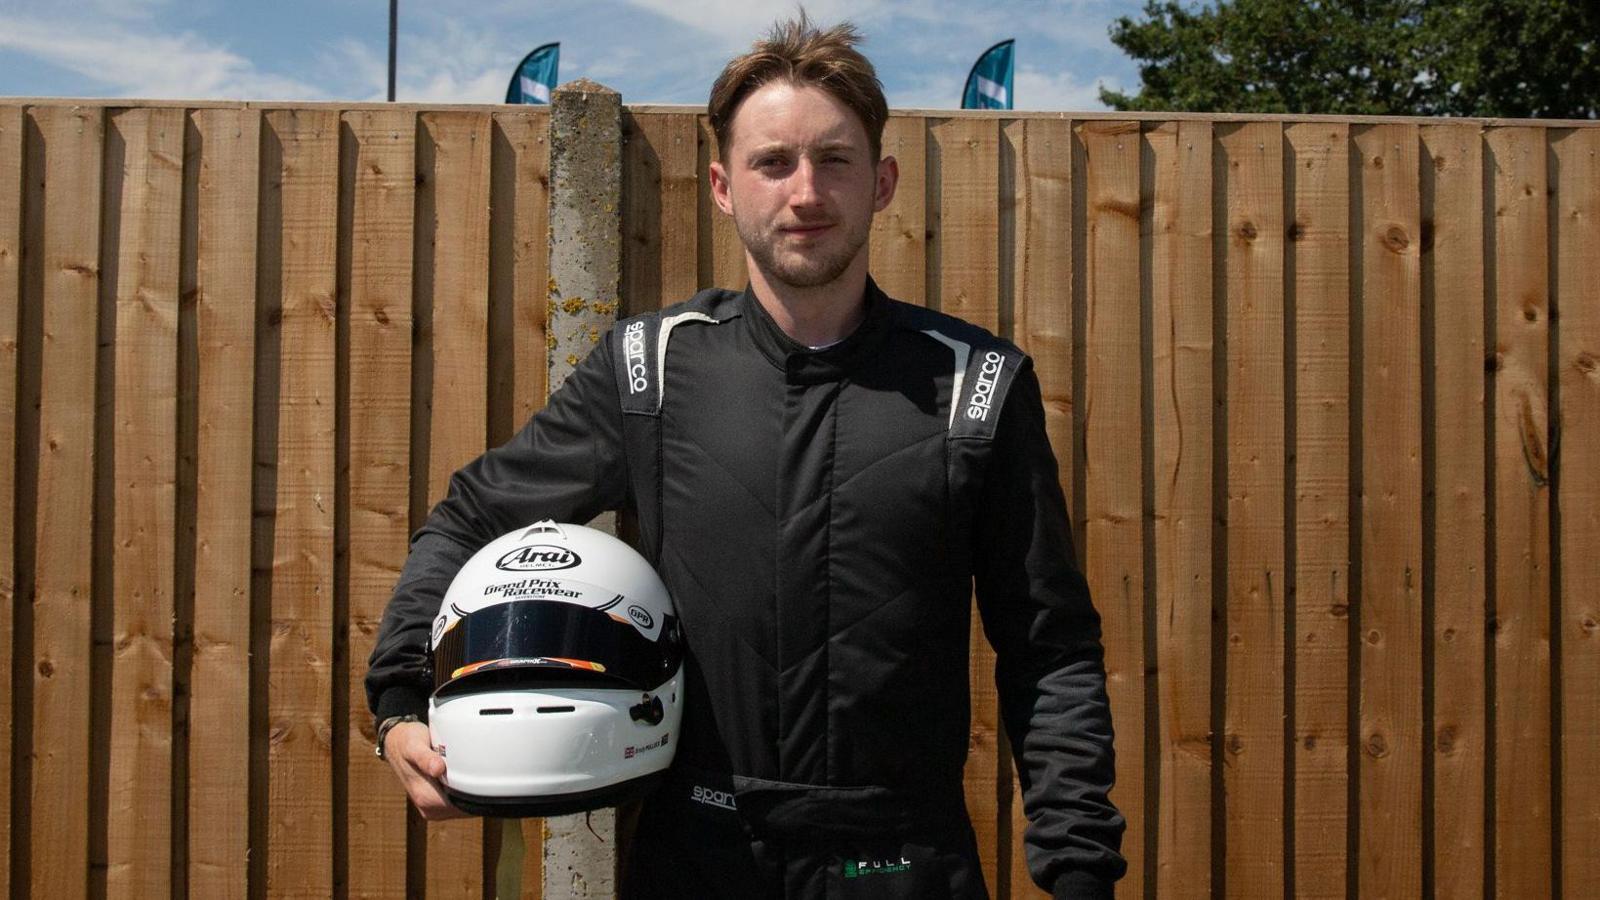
[(585, 271)]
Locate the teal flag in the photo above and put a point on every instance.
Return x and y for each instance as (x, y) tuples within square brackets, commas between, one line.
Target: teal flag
[(989, 82), (535, 77)]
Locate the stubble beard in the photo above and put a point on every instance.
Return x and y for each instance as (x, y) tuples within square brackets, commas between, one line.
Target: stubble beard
[(800, 270)]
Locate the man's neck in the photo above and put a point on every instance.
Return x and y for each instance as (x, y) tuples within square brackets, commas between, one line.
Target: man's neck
[(814, 316)]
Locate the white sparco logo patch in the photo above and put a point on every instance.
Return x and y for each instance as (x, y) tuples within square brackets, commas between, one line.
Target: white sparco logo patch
[(719, 799), (633, 351), (983, 392)]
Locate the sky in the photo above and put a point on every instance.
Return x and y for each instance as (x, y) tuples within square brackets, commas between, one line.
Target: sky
[(652, 51)]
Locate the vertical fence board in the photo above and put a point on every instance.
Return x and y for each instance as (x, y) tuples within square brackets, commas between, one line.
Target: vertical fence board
[(11, 194), (1180, 295), (384, 144), (522, 169), (460, 229), (1113, 519), (300, 689), (72, 141), (1252, 155), (1042, 279), (225, 304), (968, 153), (519, 257), (1577, 214), (1319, 166), (528, 137), (1521, 538), (718, 251), (659, 195), (1452, 166), (139, 826), (899, 233), (681, 180), (1391, 508), (968, 219)]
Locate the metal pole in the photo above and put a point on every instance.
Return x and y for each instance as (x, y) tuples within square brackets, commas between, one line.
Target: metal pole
[(394, 17)]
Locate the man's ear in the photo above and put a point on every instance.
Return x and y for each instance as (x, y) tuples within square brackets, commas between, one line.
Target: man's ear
[(888, 177), (720, 187)]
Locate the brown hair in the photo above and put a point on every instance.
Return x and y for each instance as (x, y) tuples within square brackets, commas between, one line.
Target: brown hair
[(798, 52)]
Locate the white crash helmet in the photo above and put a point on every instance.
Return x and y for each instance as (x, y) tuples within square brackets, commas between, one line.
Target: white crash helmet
[(558, 675)]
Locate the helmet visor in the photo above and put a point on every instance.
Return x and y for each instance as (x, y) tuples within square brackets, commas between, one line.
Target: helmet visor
[(559, 638)]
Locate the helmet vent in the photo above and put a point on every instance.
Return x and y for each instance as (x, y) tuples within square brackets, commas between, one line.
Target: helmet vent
[(497, 711), (546, 527), (557, 709)]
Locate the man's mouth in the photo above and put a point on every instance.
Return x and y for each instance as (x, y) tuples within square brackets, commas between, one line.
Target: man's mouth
[(807, 230)]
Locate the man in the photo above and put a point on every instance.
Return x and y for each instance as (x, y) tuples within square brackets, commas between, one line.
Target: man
[(821, 475)]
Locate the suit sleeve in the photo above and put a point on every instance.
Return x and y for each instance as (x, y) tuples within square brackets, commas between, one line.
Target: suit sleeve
[(566, 464), (1050, 668)]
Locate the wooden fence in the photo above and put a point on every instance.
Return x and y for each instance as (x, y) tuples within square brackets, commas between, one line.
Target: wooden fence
[(1326, 395)]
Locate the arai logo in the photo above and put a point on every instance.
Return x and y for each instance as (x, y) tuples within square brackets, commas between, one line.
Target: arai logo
[(641, 616), (537, 558)]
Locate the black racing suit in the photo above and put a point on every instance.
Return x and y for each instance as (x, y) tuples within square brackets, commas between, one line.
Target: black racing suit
[(820, 519)]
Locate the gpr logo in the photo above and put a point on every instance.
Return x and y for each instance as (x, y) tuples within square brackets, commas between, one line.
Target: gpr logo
[(983, 392), (642, 616), (537, 558), (633, 351), (710, 797)]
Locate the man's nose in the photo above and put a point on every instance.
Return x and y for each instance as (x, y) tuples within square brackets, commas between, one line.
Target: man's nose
[(803, 184)]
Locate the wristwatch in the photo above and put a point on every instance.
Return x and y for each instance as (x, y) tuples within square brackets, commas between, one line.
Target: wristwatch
[(386, 724)]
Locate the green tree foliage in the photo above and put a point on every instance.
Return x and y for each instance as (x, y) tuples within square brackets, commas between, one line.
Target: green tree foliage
[(1511, 58)]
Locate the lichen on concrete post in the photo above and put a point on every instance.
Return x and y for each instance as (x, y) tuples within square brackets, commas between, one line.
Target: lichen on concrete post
[(585, 276), (585, 220)]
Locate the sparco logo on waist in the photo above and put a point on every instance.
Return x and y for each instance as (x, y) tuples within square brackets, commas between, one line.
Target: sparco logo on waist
[(537, 558), (983, 392), (633, 351), (712, 797)]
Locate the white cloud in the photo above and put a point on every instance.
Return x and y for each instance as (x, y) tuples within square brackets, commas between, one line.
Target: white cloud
[(653, 51), (1034, 90), (1058, 91), (450, 87), (738, 22), (446, 61), (941, 91), (923, 47), (90, 10), (137, 64), (358, 67)]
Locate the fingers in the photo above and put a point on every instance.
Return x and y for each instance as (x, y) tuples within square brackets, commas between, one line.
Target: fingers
[(419, 770), (434, 765), (428, 796)]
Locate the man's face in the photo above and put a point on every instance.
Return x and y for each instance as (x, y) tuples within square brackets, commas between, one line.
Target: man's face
[(801, 184)]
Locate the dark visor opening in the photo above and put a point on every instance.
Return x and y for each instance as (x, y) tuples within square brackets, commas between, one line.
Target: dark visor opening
[(506, 642)]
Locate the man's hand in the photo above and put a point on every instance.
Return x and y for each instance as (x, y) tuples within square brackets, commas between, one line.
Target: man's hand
[(419, 769)]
